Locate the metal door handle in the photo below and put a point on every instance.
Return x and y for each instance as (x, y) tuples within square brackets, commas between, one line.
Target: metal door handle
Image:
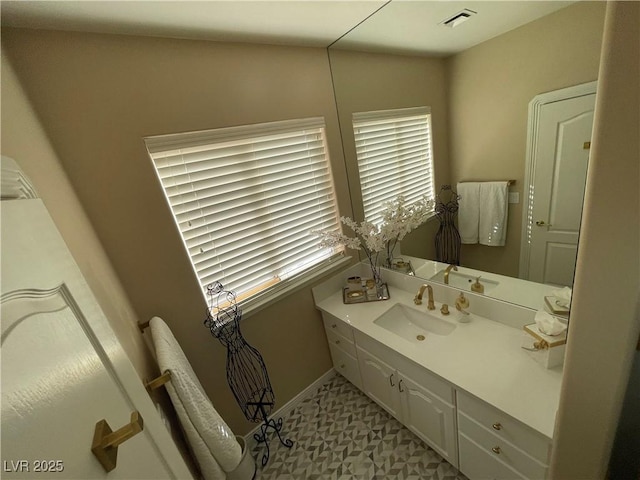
[(105, 441), (391, 380), (400, 386), (541, 223), (496, 450)]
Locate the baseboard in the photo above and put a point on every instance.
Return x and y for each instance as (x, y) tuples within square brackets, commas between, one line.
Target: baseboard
[(291, 404)]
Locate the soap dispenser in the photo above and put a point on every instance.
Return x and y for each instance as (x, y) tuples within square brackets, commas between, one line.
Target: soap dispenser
[(477, 287)]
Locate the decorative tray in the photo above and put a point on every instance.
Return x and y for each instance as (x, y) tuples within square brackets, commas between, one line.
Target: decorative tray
[(555, 308), (360, 296)]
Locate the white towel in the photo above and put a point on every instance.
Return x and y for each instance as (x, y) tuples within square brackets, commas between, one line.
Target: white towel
[(213, 443), (494, 206), (468, 211)]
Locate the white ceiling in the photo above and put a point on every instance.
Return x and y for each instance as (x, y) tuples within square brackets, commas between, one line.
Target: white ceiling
[(400, 26)]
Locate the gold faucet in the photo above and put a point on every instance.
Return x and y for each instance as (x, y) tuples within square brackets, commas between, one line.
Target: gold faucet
[(446, 273), (418, 298)]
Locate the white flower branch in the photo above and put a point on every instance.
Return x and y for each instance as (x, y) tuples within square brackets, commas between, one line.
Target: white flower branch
[(398, 219)]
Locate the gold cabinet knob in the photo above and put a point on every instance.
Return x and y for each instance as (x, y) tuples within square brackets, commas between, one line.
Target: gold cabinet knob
[(497, 426), (496, 450)]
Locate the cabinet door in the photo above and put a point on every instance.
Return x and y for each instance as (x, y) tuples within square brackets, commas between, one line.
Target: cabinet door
[(429, 417), (379, 382)]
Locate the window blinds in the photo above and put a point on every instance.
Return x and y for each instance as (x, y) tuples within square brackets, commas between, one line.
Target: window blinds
[(246, 198), (394, 157)]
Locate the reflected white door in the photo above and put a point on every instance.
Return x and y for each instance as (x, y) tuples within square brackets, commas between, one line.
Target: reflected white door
[(63, 369), (557, 192)]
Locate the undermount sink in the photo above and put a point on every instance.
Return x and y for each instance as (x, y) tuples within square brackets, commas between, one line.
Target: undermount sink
[(463, 281), (413, 324)]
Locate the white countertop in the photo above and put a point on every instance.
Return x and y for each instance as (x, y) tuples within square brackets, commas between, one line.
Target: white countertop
[(482, 357)]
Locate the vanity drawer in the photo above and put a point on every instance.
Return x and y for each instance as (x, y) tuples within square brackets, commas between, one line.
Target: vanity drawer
[(504, 427), (477, 464), (332, 324), (339, 341), (346, 365), (499, 449)]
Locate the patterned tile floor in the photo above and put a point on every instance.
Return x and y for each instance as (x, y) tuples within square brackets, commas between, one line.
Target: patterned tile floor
[(340, 434)]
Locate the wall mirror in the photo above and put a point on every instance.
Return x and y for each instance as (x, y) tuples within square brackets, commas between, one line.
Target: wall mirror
[(479, 90)]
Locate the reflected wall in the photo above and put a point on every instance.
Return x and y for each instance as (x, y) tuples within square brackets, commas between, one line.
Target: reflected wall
[(479, 100), (375, 81)]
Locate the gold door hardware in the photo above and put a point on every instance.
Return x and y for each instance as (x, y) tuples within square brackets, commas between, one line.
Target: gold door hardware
[(497, 426), (143, 325), (105, 441), (586, 145), (496, 450), (541, 223), (159, 381)]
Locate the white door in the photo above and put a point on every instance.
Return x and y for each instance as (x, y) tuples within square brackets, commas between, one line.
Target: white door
[(557, 191), (63, 369), (432, 419), (380, 382)]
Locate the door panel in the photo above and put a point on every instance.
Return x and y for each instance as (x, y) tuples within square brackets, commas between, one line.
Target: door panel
[(557, 194), (380, 382), (63, 370), (430, 418)]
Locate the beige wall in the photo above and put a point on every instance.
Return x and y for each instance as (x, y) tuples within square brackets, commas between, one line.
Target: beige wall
[(605, 312), (24, 140), (99, 95), (490, 87), (369, 81)]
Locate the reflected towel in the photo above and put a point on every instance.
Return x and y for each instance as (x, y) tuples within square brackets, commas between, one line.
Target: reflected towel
[(213, 443), (468, 211), (494, 207)]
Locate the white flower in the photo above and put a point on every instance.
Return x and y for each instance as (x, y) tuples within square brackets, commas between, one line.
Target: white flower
[(398, 219)]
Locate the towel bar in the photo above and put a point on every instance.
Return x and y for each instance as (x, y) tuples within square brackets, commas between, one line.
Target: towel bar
[(159, 381), (509, 182)]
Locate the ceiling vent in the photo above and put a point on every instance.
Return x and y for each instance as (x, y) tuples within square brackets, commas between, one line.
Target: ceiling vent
[(458, 18)]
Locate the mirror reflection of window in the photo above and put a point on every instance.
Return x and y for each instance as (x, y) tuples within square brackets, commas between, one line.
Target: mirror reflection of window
[(395, 157)]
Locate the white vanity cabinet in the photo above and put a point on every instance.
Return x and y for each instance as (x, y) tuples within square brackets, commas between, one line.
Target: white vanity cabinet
[(435, 388), (342, 348), (421, 401), (494, 445)]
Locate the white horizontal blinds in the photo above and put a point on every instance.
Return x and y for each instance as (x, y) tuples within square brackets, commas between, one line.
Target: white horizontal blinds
[(394, 157), (246, 198)]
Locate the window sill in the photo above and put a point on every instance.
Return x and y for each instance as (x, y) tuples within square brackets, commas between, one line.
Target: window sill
[(254, 305)]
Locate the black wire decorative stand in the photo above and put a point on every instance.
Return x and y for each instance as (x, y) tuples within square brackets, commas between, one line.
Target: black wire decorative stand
[(447, 237), (247, 374)]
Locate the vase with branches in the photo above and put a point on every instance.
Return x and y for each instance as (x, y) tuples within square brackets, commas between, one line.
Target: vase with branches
[(398, 218)]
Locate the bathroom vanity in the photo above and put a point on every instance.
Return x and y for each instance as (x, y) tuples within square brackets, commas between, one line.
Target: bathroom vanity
[(461, 383)]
